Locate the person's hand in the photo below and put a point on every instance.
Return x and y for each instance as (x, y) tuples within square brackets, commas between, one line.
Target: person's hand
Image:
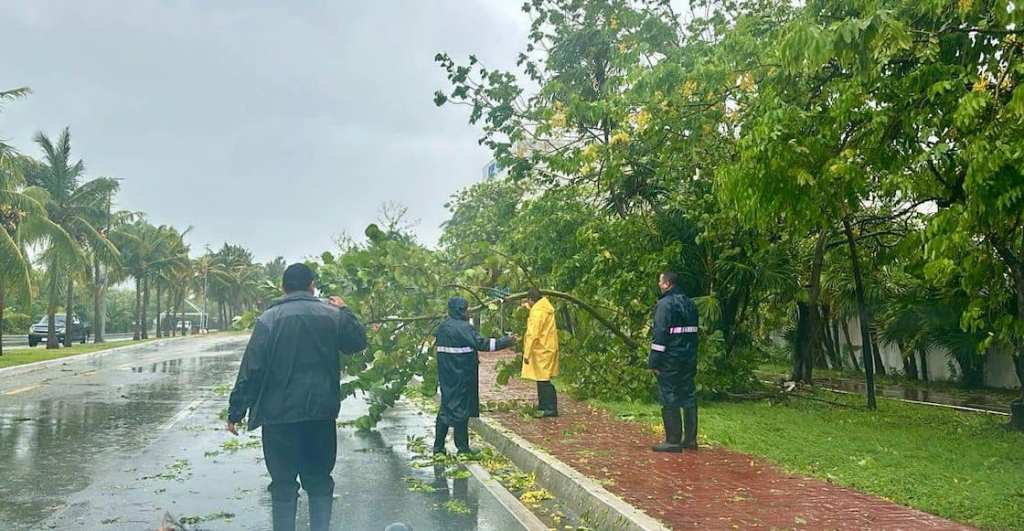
[(336, 301), (232, 428)]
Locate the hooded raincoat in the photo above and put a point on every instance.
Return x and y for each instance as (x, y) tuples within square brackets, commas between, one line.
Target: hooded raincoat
[(540, 345), (674, 349), (291, 369), (457, 344)]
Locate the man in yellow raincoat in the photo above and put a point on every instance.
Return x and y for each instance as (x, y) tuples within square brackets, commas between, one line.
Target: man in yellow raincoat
[(540, 351)]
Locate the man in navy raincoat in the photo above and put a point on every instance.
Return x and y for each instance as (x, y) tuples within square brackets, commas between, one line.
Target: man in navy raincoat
[(457, 370), (673, 358)]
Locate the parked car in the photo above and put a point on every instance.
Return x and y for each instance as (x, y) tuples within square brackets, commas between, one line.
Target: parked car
[(38, 332)]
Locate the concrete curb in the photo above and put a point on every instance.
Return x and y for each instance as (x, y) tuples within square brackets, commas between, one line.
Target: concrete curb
[(584, 495), (520, 512), (18, 370)]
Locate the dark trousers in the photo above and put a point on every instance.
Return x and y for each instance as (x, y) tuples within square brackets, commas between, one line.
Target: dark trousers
[(306, 450), (547, 399)]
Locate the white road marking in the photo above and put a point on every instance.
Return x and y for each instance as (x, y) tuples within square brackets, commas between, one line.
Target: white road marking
[(22, 389), (181, 415)]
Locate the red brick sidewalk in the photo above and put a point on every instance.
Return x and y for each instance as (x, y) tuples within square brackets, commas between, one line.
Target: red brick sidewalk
[(713, 488)]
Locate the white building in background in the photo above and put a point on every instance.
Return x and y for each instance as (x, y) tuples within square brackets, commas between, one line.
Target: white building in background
[(493, 170), (999, 369)]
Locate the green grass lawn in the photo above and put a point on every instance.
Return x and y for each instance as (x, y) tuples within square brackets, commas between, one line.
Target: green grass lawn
[(963, 466), (21, 356)]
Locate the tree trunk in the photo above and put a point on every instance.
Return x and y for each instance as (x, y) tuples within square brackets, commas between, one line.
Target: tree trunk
[(2, 301), (1017, 406), (1016, 267), (828, 342), (51, 314), (137, 334), (877, 353), (909, 364), (99, 307), (835, 341), (801, 363), (849, 345), (865, 316), (172, 308), (807, 345), (145, 307), (68, 320), (159, 314), (923, 354)]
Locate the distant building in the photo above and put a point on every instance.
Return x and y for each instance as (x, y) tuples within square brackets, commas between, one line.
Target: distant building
[(493, 170)]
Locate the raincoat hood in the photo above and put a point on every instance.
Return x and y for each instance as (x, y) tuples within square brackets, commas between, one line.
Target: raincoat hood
[(458, 308)]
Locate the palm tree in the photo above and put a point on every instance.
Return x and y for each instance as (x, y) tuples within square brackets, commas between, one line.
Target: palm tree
[(237, 287), (168, 267), (140, 245), (105, 272), (78, 209), (15, 206)]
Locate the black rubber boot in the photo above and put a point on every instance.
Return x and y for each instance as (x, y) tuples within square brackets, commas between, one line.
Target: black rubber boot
[(673, 422), (283, 512), (690, 427), (320, 512), (440, 434), (462, 440), (548, 401)]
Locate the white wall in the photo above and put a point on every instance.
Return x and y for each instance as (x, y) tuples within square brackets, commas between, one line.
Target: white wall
[(999, 371)]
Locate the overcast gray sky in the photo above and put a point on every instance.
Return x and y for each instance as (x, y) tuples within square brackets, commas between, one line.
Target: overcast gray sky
[(275, 125)]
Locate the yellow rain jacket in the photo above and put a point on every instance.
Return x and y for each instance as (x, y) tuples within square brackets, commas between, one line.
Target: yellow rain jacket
[(540, 346)]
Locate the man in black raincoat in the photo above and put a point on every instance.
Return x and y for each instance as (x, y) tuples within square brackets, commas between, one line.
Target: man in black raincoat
[(289, 383), (457, 371), (673, 359)]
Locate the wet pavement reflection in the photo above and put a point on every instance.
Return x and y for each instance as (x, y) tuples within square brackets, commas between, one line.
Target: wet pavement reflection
[(116, 444)]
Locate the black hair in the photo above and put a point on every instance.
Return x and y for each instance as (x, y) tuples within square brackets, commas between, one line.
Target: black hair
[(534, 294), (297, 277), (671, 277)]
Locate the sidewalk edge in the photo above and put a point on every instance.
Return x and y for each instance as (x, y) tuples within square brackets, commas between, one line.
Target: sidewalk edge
[(582, 494)]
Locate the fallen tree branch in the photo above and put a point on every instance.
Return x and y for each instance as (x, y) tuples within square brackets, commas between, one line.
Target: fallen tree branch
[(630, 342)]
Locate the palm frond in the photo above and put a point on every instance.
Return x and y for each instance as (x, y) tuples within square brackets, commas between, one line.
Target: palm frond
[(15, 265)]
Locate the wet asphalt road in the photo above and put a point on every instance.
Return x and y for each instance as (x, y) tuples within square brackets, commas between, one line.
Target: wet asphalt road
[(117, 442)]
